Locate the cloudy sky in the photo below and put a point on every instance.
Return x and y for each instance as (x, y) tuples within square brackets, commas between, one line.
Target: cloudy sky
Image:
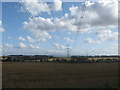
[(89, 28)]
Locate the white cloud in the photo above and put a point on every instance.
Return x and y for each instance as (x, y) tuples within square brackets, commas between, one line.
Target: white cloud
[(31, 46), (57, 5), (1, 27), (1, 46), (40, 29), (98, 17), (91, 41), (69, 33), (34, 47), (35, 7), (30, 39), (7, 45), (60, 52), (57, 45), (107, 35), (41, 36), (21, 38), (68, 39), (21, 45), (21, 48), (103, 35), (37, 47), (43, 24), (95, 17)]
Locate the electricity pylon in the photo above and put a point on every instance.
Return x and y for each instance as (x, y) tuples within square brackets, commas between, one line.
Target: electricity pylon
[(68, 52)]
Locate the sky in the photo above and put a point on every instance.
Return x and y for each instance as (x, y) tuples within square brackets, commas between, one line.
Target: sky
[(89, 28)]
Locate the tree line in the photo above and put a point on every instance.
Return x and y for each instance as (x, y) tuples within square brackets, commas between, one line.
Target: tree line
[(45, 58)]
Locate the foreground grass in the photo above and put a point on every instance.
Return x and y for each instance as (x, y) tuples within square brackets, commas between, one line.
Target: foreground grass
[(59, 75)]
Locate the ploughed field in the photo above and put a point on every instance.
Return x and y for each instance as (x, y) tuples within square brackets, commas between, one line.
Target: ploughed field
[(59, 75)]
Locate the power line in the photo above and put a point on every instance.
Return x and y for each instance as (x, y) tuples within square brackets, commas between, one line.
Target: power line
[(26, 10), (34, 20), (32, 17), (82, 14), (83, 8)]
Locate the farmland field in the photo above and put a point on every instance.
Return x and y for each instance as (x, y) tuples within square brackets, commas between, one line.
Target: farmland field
[(59, 75)]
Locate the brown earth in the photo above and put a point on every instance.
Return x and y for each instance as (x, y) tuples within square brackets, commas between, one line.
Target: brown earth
[(59, 75)]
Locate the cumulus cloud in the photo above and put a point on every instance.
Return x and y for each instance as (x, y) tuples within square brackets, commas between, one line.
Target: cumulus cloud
[(1, 28), (68, 39), (20, 48), (30, 39), (40, 29), (97, 15), (43, 24), (91, 41), (94, 15), (108, 35), (21, 38), (21, 45), (41, 36), (35, 7), (34, 47), (94, 18), (59, 46), (103, 35), (25, 46), (27, 38), (7, 45), (57, 5)]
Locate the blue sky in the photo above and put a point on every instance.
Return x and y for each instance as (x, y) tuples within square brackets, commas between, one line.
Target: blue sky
[(56, 25)]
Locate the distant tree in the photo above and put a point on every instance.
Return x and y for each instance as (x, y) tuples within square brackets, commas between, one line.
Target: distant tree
[(9, 59), (41, 60), (3, 57), (63, 60), (57, 60), (14, 59)]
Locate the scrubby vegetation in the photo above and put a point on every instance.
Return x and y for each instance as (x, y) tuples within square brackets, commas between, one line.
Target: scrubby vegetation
[(72, 59)]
